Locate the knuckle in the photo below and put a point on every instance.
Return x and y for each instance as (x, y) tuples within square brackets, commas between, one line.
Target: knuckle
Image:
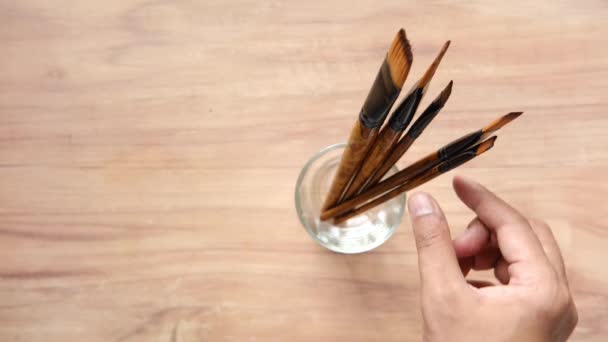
[(449, 292), (449, 297), (574, 316), (567, 312), (430, 233), (547, 310), (563, 300), (556, 302), (521, 221), (538, 221), (539, 225)]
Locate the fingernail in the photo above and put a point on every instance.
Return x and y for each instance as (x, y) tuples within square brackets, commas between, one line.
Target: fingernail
[(421, 204)]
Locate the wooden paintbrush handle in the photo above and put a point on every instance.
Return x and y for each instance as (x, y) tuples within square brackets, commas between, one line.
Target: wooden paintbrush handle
[(415, 182), (391, 182), (361, 138), (382, 95), (394, 156), (420, 179), (382, 146), (386, 197)]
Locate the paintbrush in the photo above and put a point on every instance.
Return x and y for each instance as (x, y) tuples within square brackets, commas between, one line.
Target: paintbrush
[(443, 154), (410, 136), (382, 95), (436, 171), (398, 122)]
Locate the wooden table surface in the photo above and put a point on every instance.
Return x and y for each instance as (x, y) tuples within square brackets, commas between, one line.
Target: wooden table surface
[(149, 152)]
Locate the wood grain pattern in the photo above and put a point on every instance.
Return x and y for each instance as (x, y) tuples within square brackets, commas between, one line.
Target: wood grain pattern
[(360, 141), (149, 152)]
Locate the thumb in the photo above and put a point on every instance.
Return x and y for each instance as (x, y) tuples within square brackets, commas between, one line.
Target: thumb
[(437, 261)]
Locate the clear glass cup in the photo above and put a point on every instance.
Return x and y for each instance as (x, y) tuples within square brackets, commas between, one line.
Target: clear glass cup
[(359, 234)]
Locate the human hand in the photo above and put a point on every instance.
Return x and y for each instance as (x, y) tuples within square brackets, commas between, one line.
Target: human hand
[(533, 301)]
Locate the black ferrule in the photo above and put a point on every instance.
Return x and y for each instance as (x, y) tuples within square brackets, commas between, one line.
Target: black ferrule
[(380, 99), (456, 161), (403, 115), (425, 118), (459, 145)]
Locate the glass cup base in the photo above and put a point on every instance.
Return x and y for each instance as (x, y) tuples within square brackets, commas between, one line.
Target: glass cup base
[(358, 234)]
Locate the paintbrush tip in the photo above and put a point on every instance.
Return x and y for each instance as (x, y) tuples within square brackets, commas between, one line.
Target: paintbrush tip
[(445, 94), (407, 47), (502, 121), (486, 145), (514, 115), (399, 58), (428, 75)]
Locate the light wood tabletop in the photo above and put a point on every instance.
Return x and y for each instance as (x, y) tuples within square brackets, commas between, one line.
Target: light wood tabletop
[(149, 152)]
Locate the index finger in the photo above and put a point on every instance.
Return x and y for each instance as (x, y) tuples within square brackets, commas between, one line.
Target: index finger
[(516, 239)]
